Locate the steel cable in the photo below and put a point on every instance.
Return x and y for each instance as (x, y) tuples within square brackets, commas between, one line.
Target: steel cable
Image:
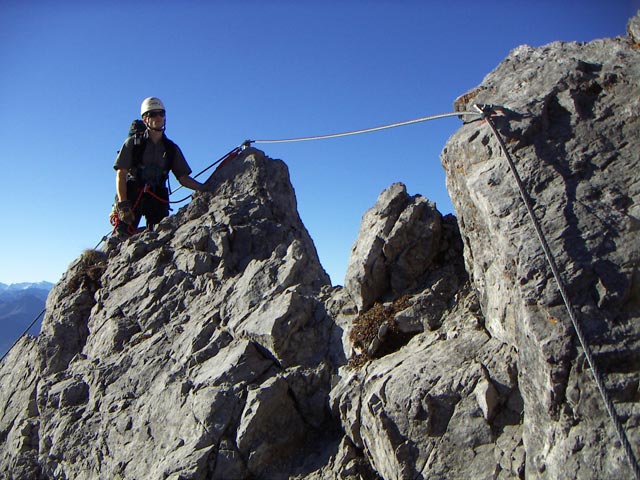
[(367, 130)]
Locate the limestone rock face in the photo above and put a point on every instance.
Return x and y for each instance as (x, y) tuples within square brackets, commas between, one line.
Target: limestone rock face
[(500, 387), (421, 412), (570, 116), (183, 360), (398, 239), (216, 348), (633, 29)]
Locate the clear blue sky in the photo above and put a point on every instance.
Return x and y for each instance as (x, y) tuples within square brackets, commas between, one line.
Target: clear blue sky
[(73, 75)]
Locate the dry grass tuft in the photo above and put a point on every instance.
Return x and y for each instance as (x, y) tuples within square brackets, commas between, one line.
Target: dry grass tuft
[(92, 265), (367, 325)]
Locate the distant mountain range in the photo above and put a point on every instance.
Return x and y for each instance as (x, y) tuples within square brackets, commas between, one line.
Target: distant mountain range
[(20, 303)]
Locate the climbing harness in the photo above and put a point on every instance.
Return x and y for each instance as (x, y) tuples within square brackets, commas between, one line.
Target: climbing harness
[(488, 112), (114, 218)]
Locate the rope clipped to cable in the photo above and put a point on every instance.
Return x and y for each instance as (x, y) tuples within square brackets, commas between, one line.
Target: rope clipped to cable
[(237, 150), (487, 112)]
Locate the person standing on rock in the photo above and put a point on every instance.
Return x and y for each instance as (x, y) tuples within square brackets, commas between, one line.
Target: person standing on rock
[(142, 169)]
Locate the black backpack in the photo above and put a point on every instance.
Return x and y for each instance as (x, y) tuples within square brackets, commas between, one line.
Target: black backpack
[(137, 131)]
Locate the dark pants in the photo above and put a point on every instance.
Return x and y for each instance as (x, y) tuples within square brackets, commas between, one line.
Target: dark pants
[(146, 205)]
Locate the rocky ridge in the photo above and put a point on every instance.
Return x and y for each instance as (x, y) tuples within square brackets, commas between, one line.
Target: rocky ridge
[(216, 347)]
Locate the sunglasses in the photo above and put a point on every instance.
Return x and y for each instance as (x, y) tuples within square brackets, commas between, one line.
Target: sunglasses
[(156, 113)]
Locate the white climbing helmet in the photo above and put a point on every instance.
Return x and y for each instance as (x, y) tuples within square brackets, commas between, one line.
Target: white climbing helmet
[(149, 104)]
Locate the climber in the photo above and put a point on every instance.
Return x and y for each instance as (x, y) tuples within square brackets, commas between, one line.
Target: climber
[(142, 169)]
